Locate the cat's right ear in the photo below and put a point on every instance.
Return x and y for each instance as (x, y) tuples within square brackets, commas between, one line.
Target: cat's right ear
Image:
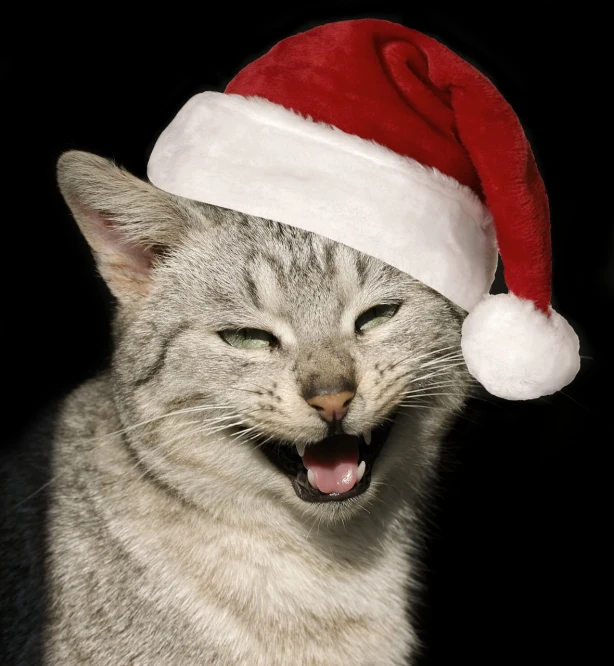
[(126, 221)]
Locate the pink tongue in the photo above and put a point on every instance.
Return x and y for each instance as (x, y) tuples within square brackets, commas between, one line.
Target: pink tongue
[(334, 463)]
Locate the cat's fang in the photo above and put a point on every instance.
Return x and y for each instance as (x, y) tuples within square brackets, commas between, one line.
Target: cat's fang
[(301, 449), (366, 435), (312, 479), (360, 472)]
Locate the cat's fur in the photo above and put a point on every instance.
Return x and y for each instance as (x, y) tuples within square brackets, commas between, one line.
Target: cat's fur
[(172, 539)]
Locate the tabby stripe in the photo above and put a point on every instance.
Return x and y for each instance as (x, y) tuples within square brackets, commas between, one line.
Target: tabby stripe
[(455, 312), (362, 266), (147, 474), (330, 267), (158, 364), (252, 290)]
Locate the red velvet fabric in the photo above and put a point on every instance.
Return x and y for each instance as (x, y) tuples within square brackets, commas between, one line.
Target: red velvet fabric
[(404, 90)]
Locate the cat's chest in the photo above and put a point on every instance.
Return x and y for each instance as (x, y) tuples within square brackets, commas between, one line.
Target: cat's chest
[(218, 597), (249, 586), (285, 602)]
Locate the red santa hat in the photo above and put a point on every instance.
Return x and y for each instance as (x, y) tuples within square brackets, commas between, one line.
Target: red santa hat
[(381, 138)]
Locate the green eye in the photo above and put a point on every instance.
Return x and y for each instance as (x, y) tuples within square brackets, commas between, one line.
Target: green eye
[(376, 316), (249, 338)]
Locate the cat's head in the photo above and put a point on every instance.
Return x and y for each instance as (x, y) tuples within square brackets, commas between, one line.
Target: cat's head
[(250, 352)]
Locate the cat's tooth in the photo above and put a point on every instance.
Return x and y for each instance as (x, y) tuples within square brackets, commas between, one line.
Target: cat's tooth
[(360, 472), (311, 478), (366, 435), (301, 449)]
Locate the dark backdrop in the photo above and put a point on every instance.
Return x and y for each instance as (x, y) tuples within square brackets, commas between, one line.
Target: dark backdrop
[(518, 565)]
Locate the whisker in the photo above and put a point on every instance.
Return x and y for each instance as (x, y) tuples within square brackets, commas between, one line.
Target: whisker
[(164, 452), (429, 395), (187, 410), (239, 436), (254, 429), (258, 386), (578, 403), (439, 361), (418, 358), (236, 388), (222, 427), (430, 386), (35, 493), (439, 372), (436, 372), (55, 476), (102, 439), (266, 441), (230, 416)]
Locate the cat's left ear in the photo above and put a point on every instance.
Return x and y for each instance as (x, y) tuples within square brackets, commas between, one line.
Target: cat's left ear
[(126, 221)]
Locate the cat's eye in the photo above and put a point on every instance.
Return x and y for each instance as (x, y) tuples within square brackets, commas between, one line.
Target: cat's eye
[(376, 316), (249, 338)]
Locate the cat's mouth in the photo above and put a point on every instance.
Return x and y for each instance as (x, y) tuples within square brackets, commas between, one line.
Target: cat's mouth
[(332, 470)]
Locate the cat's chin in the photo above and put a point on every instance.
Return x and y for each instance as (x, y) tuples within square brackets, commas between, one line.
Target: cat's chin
[(286, 459)]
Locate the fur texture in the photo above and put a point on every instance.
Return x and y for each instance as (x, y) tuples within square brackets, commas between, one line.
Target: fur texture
[(171, 538)]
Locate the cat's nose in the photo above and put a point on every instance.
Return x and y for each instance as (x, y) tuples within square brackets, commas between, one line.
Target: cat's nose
[(331, 406)]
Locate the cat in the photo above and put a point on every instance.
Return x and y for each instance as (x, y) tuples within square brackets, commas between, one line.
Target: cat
[(242, 485)]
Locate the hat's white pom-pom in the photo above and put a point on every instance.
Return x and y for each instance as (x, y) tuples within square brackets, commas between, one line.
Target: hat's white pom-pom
[(516, 351)]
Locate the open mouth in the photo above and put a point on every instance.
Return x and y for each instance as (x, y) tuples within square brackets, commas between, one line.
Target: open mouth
[(332, 470)]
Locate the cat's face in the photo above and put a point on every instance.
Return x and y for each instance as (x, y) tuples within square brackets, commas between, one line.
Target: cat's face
[(270, 363)]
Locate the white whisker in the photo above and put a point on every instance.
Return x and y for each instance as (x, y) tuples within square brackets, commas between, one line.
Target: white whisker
[(186, 410), (430, 386), (222, 427), (439, 361), (431, 395), (241, 434), (265, 441), (414, 359), (436, 372), (107, 437)]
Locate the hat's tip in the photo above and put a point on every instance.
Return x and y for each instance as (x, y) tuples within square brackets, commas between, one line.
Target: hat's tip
[(516, 351)]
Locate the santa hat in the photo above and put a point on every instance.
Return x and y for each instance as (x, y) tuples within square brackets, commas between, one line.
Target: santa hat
[(381, 138)]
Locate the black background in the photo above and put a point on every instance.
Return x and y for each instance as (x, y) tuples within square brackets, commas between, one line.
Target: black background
[(518, 566)]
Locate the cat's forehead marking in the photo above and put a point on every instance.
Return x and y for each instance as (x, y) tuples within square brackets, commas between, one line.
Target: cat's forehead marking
[(264, 277), (283, 267), (254, 269)]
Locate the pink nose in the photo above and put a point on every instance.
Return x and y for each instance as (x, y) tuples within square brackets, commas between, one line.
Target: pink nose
[(331, 406)]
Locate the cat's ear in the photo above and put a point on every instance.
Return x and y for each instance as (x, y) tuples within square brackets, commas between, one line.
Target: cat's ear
[(126, 221)]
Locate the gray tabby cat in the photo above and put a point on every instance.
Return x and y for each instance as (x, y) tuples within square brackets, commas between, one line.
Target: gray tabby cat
[(184, 527)]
